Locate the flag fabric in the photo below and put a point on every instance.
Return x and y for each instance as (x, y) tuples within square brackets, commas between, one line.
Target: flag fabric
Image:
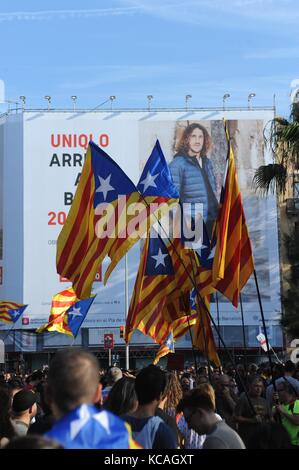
[(69, 321), (233, 260), (178, 328), (99, 214), (10, 312), (86, 427), (61, 302), (202, 333), (166, 348), (163, 276), (158, 195)]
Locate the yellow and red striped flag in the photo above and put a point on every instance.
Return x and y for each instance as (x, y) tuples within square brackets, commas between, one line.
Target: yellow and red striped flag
[(10, 312), (202, 333), (97, 218), (178, 328), (61, 302), (158, 284), (233, 260)]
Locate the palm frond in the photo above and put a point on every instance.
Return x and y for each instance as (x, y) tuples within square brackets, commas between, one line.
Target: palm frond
[(269, 177)]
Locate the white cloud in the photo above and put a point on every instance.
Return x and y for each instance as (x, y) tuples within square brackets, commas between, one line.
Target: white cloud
[(67, 14)]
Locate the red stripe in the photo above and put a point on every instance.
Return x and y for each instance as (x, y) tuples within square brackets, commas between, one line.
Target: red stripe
[(85, 202), (230, 270)]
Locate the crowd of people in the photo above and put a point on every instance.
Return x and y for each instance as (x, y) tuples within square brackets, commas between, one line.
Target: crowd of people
[(74, 404)]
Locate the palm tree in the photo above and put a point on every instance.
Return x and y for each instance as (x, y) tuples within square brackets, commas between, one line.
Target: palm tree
[(284, 141)]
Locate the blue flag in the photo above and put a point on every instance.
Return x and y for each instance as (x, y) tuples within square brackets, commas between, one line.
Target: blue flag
[(156, 179), (86, 427), (76, 314), (158, 258)]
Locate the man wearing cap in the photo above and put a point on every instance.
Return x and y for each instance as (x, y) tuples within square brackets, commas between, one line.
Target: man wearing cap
[(23, 409)]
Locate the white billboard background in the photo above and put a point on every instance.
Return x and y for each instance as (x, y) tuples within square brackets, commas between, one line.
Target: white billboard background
[(131, 136)]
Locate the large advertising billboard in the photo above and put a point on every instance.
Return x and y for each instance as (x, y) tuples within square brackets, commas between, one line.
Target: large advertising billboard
[(54, 146)]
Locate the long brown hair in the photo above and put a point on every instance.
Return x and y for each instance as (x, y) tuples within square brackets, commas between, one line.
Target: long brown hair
[(183, 146)]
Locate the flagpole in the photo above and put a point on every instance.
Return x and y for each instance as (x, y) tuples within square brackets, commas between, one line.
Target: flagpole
[(264, 326), (202, 324), (218, 317), (9, 331), (126, 309), (244, 338)]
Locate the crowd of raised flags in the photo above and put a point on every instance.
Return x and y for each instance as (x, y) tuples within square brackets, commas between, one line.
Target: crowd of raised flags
[(174, 282)]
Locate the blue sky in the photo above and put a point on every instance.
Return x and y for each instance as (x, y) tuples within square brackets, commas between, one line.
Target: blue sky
[(132, 48)]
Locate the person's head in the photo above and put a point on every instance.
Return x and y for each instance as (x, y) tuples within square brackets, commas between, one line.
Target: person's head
[(24, 405), (223, 384), (35, 378), (113, 375), (252, 369), (200, 380), (150, 385), (122, 398), (195, 141), (256, 387), (287, 393), (73, 380), (269, 436), (203, 370), (173, 391), (198, 406), (33, 441), (289, 367)]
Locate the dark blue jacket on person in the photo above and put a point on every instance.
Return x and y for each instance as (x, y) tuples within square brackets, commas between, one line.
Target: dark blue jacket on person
[(196, 184)]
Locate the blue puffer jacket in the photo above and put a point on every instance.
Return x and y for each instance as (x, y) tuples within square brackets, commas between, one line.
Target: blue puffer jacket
[(188, 178)]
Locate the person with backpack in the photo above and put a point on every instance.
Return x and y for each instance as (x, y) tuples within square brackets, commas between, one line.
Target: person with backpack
[(150, 431)]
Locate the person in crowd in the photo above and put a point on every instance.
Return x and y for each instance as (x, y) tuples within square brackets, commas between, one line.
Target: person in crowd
[(269, 436), (32, 442), (192, 172), (248, 414), (24, 409), (286, 374), (185, 382), (122, 398), (199, 411), (72, 389), (241, 378), (288, 410), (150, 431), (7, 430), (225, 403), (44, 421), (190, 438), (161, 411), (113, 375)]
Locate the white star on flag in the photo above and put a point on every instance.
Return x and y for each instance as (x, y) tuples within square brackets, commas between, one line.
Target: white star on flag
[(105, 186), (149, 181), (159, 258), (103, 419), (14, 313), (78, 424), (76, 312)]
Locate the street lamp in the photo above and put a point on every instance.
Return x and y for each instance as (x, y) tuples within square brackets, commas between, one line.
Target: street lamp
[(112, 98), (74, 100), (250, 96), (224, 98), (23, 99), (187, 98), (48, 98), (149, 99)]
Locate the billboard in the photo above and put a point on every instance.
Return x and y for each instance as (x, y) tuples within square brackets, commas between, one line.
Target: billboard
[(50, 147)]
